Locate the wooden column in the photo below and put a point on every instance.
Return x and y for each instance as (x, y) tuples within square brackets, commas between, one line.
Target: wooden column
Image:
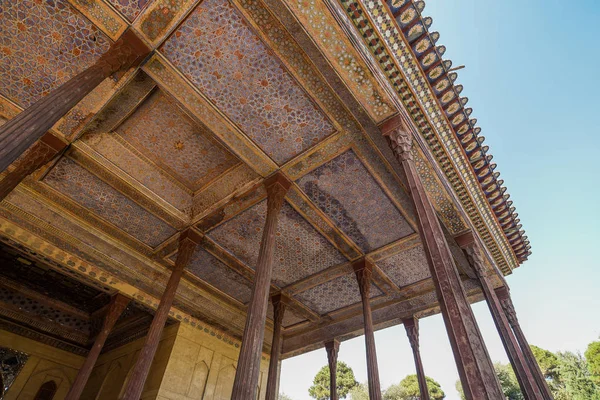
[(364, 270), (332, 348), (529, 387), (188, 240), (19, 134), (278, 311), (248, 370), (412, 331), (115, 309), (38, 155), (475, 367), (503, 295)]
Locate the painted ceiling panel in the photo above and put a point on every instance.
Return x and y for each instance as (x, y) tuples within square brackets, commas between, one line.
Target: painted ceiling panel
[(217, 50), (366, 215), (42, 45), (130, 8), (165, 134), (334, 294), (211, 270), (407, 267), (139, 167), (300, 249), (91, 192)]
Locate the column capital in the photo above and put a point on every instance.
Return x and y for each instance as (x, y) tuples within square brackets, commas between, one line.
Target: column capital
[(277, 186), (399, 136), (279, 306), (363, 269), (503, 295), (332, 346), (128, 51), (412, 331), (188, 240)]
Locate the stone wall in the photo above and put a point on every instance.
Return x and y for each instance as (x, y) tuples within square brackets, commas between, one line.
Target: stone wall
[(45, 363), (203, 367)]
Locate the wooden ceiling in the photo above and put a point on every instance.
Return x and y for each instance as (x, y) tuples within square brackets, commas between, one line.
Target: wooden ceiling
[(233, 92)]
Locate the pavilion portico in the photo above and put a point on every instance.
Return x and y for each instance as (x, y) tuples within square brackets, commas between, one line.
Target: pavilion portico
[(221, 165)]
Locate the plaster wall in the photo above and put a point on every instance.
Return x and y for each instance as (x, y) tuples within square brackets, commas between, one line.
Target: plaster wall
[(202, 367), (113, 369), (45, 363)]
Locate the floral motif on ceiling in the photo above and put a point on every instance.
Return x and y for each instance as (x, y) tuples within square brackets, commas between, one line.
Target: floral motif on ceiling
[(166, 135), (220, 54), (300, 249), (372, 220), (92, 193), (43, 44)]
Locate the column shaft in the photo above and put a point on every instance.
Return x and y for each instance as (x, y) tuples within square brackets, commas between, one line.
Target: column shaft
[(248, 370), (363, 272), (472, 359), (509, 310), (332, 349), (412, 331), (188, 241), (278, 310), (115, 309), (19, 134), (529, 387)]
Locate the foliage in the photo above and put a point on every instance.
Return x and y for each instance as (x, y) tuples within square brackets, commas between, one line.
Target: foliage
[(283, 396), (360, 392), (508, 381), (575, 378), (547, 361), (345, 381), (408, 389), (592, 355), (460, 390)]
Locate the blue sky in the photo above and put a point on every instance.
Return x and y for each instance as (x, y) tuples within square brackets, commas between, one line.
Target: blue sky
[(532, 78)]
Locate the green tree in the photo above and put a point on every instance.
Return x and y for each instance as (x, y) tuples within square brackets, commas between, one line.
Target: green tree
[(459, 389), (344, 379), (283, 396), (547, 361), (408, 389), (575, 378), (508, 381), (592, 355), (360, 392)]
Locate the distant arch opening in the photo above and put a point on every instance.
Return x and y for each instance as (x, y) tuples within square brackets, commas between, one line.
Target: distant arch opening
[(46, 391)]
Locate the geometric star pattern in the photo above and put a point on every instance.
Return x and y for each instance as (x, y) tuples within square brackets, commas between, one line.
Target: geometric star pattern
[(42, 45), (217, 50)]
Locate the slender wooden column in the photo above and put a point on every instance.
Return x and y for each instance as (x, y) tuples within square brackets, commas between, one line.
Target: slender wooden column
[(475, 367), (19, 134), (332, 349), (279, 310), (188, 240), (115, 309), (503, 294), (412, 331), (364, 270), (529, 387), (247, 373), (38, 155)]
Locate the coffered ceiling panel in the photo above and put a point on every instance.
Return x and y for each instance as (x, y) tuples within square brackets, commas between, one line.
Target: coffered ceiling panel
[(406, 267), (334, 294), (85, 188), (165, 134), (344, 189), (208, 268), (216, 49), (42, 45), (300, 249)]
